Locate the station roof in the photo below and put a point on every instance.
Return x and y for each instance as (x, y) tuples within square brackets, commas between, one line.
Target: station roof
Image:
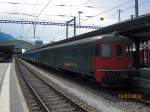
[(8, 40), (16, 42), (7, 48), (5, 37), (137, 29), (8, 43)]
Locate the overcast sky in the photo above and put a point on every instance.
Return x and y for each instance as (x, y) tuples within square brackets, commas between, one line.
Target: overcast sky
[(62, 11)]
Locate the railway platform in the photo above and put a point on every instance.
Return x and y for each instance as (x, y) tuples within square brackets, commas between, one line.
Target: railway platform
[(11, 97), (144, 79)]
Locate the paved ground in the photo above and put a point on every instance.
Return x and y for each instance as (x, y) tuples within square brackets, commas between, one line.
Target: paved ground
[(4, 98), (11, 98), (17, 102), (3, 68), (144, 79), (145, 73)]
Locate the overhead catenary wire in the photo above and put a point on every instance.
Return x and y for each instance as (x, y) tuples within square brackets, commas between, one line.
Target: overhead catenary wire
[(109, 10), (61, 5), (40, 13), (32, 13), (17, 13), (106, 11), (43, 9), (124, 10), (56, 34), (128, 9), (20, 3)]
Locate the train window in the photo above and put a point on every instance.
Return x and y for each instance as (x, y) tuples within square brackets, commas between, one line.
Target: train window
[(106, 50), (97, 50), (129, 50), (118, 50)]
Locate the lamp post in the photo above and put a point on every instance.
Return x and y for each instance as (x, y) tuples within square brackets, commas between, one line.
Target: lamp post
[(136, 8), (119, 11), (79, 12)]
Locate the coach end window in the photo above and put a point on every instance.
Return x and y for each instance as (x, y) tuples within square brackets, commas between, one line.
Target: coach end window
[(106, 50), (118, 50), (97, 50), (129, 50)]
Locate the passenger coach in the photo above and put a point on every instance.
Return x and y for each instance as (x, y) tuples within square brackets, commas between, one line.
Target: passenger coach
[(106, 58)]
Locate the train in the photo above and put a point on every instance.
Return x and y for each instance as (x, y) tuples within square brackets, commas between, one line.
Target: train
[(105, 58)]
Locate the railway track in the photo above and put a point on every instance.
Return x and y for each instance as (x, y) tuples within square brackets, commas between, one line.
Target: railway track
[(41, 97), (110, 91)]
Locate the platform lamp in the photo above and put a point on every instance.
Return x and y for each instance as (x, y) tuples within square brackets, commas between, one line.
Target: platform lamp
[(102, 18)]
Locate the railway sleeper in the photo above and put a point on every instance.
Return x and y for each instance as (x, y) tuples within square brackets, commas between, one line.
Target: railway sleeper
[(57, 102), (63, 110), (60, 106), (51, 98)]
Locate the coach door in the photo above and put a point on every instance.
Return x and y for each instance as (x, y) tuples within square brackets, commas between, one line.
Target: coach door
[(92, 59)]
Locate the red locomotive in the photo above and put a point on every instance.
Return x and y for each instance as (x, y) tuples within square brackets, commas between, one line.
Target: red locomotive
[(115, 62), (106, 58)]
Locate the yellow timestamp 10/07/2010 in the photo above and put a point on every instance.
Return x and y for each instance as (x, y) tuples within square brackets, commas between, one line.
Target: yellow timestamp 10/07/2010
[(130, 95)]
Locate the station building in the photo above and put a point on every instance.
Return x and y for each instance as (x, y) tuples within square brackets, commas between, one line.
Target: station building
[(10, 45)]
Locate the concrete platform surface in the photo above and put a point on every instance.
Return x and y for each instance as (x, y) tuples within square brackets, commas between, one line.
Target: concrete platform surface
[(11, 97), (145, 73), (3, 68), (144, 79)]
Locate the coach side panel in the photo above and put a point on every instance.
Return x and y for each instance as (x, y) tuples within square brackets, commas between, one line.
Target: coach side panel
[(76, 58), (51, 57), (48, 57)]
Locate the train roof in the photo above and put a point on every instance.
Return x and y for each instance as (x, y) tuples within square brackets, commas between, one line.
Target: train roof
[(115, 36), (106, 37)]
